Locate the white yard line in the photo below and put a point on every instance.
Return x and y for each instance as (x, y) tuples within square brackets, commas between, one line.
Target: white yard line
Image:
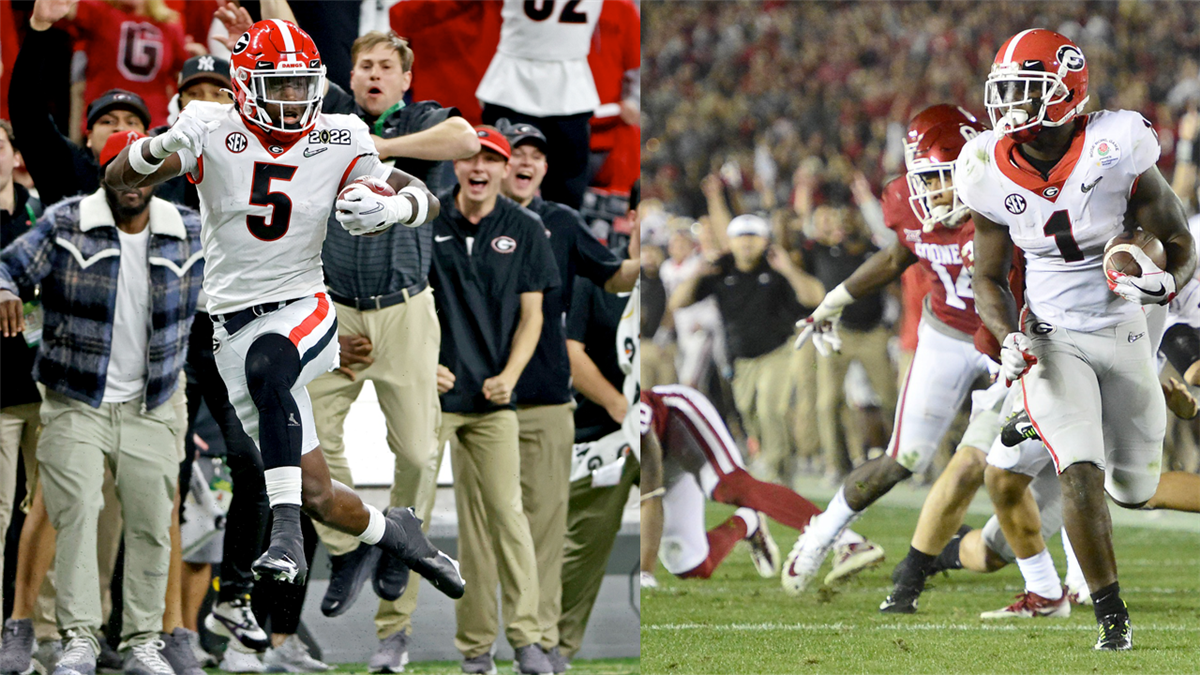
[(858, 627)]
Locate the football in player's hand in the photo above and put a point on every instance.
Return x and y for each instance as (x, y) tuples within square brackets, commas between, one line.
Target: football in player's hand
[(1117, 257), (379, 187)]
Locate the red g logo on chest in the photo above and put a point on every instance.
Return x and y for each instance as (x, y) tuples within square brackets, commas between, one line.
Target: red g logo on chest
[(504, 244)]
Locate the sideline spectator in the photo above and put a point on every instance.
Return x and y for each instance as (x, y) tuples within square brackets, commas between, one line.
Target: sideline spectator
[(104, 402), (388, 330), (492, 264)]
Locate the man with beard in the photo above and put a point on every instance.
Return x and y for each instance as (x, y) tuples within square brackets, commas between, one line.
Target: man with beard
[(120, 273)]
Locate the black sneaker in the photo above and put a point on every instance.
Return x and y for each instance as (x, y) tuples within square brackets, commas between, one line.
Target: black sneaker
[(1116, 635), (902, 600), (1017, 429), (346, 579), (424, 558), (391, 577), (284, 560)]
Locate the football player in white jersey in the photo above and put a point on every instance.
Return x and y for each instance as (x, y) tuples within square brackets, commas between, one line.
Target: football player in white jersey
[(1059, 185), (268, 169)]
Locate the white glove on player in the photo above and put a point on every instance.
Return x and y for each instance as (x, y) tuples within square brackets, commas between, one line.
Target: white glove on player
[(1016, 356), (188, 133), (1154, 287), (821, 325), (361, 211)]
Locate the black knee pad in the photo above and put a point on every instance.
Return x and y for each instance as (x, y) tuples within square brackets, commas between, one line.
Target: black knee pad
[(272, 365)]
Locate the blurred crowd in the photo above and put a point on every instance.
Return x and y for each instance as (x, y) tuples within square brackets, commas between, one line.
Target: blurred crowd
[(797, 112)]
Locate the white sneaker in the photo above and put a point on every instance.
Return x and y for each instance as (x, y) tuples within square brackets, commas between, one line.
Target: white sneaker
[(804, 562), (1078, 592), (851, 559), (234, 619), (1031, 605), (648, 580), (763, 549), (238, 661), (292, 657)]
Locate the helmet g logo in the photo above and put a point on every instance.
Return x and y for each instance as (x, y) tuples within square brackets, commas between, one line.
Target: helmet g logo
[(1071, 58), (242, 43)]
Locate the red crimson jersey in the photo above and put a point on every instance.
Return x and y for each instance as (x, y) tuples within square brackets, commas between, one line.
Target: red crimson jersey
[(940, 255), (616, 48), (129, 51)]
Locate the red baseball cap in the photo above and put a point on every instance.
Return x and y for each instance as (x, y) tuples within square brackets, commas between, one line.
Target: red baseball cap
[(117, 142), (491, 139)]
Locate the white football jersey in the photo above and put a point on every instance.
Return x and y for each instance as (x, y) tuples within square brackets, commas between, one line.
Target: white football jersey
[(541, 64), (1063, 223), (264, 207)]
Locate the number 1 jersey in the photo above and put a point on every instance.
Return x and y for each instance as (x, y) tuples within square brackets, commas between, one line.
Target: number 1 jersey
[(1062, 221), (264, 205)]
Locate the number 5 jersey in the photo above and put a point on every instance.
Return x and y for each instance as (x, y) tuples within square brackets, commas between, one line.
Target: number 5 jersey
[(1062, 221), (264, 205)]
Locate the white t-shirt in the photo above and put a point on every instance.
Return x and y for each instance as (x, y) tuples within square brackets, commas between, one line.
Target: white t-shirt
[(131, 323), (1062, 224), (541, 64), (264, 207)]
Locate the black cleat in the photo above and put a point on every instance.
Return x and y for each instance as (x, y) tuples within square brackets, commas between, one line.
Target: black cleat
[(284, 560), (416, 551), (1017, 429), (903, 600), (1116, 635), (346, 579), (391, 578)]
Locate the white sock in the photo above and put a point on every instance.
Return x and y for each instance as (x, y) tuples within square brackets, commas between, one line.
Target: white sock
[(828, 525), (1040, 575), (1074, 571), (749, 517), (849, 536), (375, 527), (283, 485)]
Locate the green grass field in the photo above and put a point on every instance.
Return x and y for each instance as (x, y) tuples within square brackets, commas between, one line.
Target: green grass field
[(737, 622), (597, 666)]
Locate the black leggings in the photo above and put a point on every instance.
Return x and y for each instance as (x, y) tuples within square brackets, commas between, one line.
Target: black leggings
[(246, 522)]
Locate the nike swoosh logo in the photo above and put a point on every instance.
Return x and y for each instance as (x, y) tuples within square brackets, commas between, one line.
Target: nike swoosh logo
[(1160, 292), (377, 209), (313, 152), (1089, 186), (442, 239)]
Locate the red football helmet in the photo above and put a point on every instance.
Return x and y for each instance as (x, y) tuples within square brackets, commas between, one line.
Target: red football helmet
[(1037, 68), (276, 70), (930, 118), (931, 174)]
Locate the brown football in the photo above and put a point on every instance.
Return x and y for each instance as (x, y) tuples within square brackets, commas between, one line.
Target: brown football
[(1123, 262)]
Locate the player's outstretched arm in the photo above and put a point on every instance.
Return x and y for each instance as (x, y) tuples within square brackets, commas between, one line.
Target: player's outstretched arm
[(121, 175), (149, 161), (881, 269), (1155, 208), (993, 298)]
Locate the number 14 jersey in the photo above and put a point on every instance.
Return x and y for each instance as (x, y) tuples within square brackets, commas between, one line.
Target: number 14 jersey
[(264, 205), (1063, 221)]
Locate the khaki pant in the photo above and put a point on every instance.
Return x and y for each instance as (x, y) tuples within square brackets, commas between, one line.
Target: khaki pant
[(19, 429), (658, 364), (870, 349), (76, 445), (546, 437), (487, 494), (804, 415), (405, 339), (762, 392), (592, 525)]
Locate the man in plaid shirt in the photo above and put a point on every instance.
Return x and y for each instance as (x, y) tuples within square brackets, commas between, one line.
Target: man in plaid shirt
[(120, 274)]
